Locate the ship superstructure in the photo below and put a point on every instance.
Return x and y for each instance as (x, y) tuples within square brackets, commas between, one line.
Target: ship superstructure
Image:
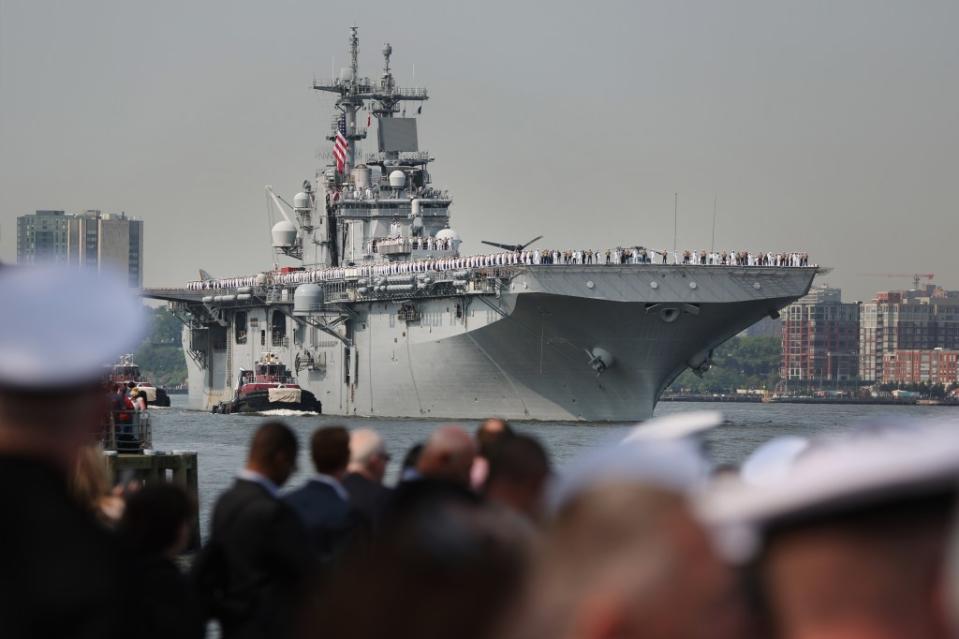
[(383, 316)]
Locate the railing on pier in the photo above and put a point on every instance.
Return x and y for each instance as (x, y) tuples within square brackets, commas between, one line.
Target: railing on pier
[(128, 431)]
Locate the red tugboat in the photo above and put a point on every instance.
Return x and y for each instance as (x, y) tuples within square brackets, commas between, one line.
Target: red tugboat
[(126, 371), (269, 387)]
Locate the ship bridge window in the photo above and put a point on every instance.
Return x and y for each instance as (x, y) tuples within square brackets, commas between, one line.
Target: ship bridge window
[(278, 329), (239, 327)]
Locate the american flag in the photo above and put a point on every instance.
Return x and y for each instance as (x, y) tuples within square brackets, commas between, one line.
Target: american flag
[(340, 145)]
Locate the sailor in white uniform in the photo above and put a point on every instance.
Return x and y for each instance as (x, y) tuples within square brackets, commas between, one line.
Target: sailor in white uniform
[(849, 537)]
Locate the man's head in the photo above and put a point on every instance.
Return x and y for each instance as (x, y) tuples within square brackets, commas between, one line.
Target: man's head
[(157, 520), (273, 452), (490, 431), (368, 455), (518, 470), (628, 560), (871, 573), (448, 455), (330, 450)]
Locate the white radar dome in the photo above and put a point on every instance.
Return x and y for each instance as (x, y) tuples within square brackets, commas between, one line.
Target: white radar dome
[(301, 201), (284, 234), (307, 298), (448, 234), (397, 179)]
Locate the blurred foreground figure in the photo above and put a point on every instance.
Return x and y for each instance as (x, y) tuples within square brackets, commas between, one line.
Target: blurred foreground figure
[(364, 481), (518, 471), (250, 574), (444, 566), (489, 433), (851, 539), (156, 527), (322, 503), (91, 485), (624, 557), (62, 574), (628, 560), (447, 456)]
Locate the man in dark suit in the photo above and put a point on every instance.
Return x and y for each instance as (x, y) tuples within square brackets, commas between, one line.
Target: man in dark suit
[(251, 573), (322, 503), (364, 481)]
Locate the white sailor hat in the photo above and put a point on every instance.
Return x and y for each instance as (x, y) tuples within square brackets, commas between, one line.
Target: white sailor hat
[(661, 452), (62, 326), (867, 467)]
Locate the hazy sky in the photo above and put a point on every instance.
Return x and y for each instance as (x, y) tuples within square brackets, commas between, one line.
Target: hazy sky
[(826, 126)]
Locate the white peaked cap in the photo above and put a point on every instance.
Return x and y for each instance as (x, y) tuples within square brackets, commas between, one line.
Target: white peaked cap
[(866, 467), (659, 452), (773, 460), (62, 326)]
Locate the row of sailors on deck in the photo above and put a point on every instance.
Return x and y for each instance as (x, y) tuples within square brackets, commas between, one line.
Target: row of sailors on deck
[(533, 257), (407, 244)]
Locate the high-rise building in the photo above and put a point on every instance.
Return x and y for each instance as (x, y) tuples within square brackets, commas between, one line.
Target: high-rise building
[(820, 335), (91, 239), (42, 237), (101, 240), (917, 320)]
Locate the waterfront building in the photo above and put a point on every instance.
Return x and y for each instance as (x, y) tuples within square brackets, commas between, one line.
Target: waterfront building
[(92, 239), (98, 239), (42, 237), (914, 366), (916, 320), (820, 336)]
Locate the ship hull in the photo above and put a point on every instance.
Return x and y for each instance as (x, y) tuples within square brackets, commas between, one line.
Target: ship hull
[(524, 353)]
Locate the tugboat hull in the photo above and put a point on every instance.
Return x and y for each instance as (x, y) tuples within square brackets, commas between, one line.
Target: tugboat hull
[(259, 402)]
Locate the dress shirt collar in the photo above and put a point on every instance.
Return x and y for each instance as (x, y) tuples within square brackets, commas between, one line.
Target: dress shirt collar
[(332, 482), (262, 480)]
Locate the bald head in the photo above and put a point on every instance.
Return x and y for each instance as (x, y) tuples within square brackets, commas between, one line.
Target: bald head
[(368, 454), (491, 431), (448, 455)]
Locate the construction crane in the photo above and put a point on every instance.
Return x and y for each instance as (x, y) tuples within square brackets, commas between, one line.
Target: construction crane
[(915, 277)]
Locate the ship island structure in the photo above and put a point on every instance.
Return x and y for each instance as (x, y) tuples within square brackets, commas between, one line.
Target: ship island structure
[(384, 317)]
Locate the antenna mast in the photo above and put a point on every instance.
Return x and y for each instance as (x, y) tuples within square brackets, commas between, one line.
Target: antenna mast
[(675, 219), (712, 247)]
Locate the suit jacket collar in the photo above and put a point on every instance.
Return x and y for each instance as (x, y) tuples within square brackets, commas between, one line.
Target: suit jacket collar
[(333, 483), (252, 476)]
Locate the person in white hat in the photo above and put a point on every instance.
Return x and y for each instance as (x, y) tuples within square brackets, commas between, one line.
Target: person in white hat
[(62, 574), (624, 555), (849, 540)]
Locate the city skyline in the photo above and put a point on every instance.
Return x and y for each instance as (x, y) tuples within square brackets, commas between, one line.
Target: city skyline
[(580, 124)]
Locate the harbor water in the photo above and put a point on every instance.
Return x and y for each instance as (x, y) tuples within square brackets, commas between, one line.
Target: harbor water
[(221, 440)]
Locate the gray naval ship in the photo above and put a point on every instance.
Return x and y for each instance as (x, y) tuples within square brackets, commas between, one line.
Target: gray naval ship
[(384, 317)]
